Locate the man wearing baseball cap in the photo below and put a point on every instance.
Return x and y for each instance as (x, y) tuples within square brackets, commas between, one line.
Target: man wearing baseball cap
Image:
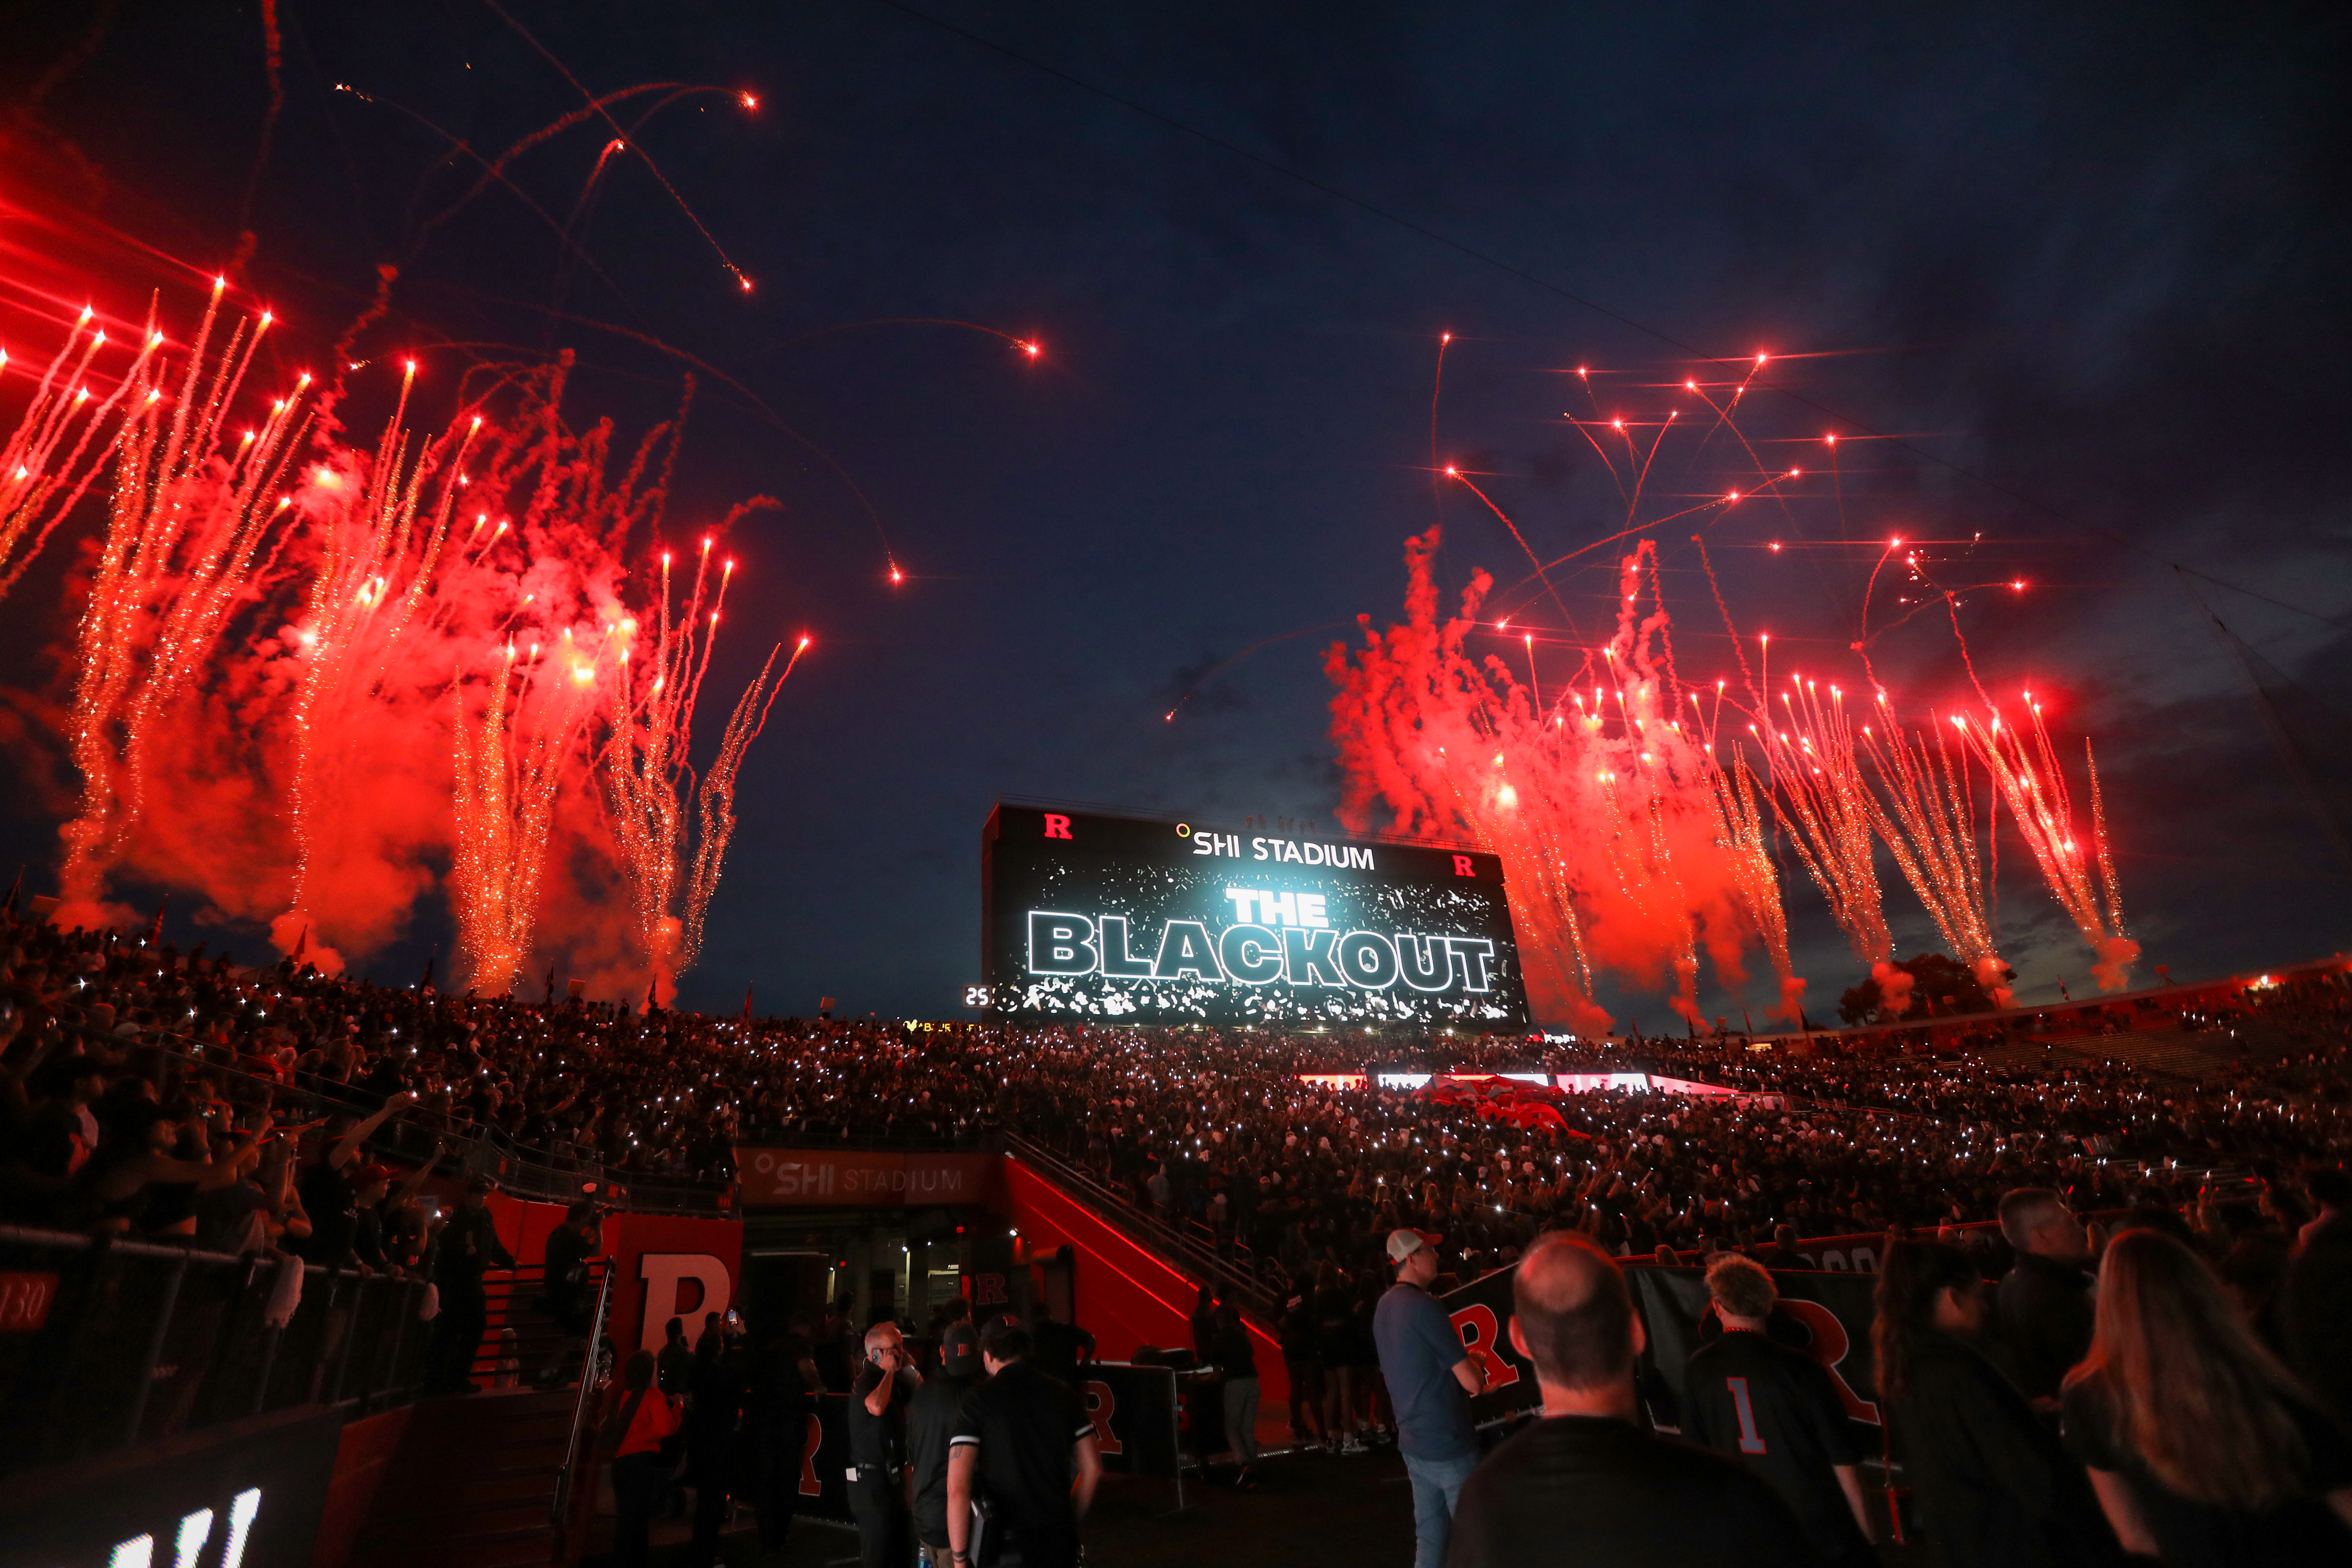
[(1431, 1380)]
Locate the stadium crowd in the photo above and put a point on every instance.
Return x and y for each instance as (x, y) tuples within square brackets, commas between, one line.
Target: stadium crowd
[(126, 1067), (156, 1094)]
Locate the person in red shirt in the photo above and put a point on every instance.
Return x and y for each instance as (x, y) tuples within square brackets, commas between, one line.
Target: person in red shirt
[(638, 1418)]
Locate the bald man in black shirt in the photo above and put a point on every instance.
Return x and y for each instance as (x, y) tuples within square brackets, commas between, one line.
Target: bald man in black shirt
[(1585, 1481)]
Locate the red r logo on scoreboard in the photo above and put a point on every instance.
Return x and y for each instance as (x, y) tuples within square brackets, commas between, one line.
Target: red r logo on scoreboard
[(1462, 866), (1058, 826)]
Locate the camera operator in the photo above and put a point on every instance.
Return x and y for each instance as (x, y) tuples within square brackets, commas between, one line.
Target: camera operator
[(877, 1447)]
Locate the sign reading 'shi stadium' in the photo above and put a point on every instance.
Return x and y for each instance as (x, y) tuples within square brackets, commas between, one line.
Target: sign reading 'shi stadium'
[(1176, 921)]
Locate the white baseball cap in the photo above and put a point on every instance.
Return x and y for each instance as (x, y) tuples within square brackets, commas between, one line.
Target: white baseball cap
[(1403, 1244)]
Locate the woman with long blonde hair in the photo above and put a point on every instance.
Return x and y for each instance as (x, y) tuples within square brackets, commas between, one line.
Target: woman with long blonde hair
[(2202, 1447)]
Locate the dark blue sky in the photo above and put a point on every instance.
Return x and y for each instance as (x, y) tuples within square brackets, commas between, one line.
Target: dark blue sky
[(2095, 256)]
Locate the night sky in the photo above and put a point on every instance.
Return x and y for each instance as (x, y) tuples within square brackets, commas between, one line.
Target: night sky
[(2089, 264)]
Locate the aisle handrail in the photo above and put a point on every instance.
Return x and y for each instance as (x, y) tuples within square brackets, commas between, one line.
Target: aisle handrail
[(580, 1406), (1112, 1204)]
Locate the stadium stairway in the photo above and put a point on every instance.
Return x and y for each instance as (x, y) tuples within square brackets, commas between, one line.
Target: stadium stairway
[(472, 1484), (1138, 1275), (472, 1480)]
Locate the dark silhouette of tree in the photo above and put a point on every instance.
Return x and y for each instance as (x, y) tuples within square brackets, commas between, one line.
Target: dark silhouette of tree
[(1941, 986)]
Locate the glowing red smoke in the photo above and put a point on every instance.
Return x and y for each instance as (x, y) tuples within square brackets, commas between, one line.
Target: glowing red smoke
[(1627, 843), (309, 675)]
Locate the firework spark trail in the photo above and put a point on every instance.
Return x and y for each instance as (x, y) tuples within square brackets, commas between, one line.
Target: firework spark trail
[(2025, 770), (1606, 460), (643, 761), (1930, 827), (649, 784), (504, 810), (1830, 816), (1410, 709), (259, 636), (1520, 541), (494, 170), (637, 772), (55, 452), (1616, 849), (380, 538), (186, 518), (715, 801), (742, 277), (1739, 821)]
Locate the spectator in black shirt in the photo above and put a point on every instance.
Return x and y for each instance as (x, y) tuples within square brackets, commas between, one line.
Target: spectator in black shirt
[(2203, 1449), (370, 1184), (1993, 1489), (674, 1363), (877, 1447), (1775, 1409), (1058, 1349), (2311, 1299), (467, 1247), (1585, 1481), (776, 1416), (714, 1412), (1017, 1440), (1237, 1359), (1783, 1253), (2045, 1300), (930, 1425), (1300, 1365), (832, 1352), (570, 1245), (329, 1187)]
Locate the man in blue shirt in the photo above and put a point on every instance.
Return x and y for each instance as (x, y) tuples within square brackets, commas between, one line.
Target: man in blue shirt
[(1431, 1380)]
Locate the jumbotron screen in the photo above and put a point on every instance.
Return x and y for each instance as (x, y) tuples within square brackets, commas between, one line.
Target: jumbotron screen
[(1170, 920)]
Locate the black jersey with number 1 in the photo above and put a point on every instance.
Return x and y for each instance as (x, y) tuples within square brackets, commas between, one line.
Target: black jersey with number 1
[(1776, 1410)]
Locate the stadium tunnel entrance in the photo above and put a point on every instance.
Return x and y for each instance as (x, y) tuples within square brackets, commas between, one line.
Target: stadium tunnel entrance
[(901, 1265)]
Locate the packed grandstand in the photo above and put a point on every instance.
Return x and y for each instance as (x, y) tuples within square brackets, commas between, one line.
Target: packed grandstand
[(1287, 1149), (208, 1135)]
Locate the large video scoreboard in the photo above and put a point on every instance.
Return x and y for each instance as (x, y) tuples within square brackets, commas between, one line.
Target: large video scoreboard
[(1175, 922)]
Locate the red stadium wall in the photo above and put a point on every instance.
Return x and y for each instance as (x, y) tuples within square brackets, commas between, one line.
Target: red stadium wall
[(1125, 1296), (664, 1266), (363, 1458)]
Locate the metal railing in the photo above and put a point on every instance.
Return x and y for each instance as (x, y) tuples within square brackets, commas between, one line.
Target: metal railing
[(1188, 1253), (593, 1376), (115, 1343), (557, 1174)]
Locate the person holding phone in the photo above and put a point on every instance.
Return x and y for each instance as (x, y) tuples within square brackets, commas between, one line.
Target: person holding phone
[(877, 1448)]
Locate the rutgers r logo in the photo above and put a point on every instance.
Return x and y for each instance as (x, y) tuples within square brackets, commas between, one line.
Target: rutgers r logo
[(1102, 1407), (1057, 827), (1462, 866)]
